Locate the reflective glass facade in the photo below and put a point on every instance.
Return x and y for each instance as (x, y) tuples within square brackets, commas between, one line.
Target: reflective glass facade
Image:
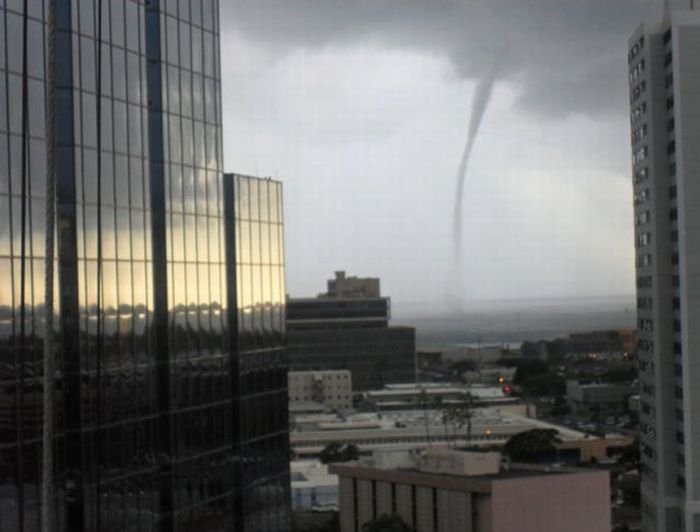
[(170, 401), (261, 366)]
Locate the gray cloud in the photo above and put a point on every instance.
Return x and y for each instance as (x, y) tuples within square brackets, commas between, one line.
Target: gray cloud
[(565, 55)]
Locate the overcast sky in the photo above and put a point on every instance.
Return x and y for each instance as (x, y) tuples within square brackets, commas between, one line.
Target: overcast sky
[(362, 107)]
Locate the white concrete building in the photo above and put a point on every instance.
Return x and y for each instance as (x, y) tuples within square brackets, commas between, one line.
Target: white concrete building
[(332, 388), (313, 488), (664, 75)]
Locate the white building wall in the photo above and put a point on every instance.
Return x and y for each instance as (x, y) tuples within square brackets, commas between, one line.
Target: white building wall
[(686, 71), (333, 388)]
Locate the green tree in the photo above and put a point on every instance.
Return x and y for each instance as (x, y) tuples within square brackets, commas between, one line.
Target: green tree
[(529, 368), (337, 452), (460, 415), (386, 523), (533, 445), (544, 384)]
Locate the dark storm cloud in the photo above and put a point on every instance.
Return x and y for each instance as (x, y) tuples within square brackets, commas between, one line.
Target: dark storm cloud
[(566, 55)]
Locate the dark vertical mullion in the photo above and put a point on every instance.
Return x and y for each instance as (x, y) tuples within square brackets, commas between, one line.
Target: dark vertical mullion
[(68, 268), (233, 345), (159, 336)]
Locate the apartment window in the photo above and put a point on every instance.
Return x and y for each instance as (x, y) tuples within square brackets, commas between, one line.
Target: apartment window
[(677, 306), (671, 124), (643, 239), (638, 91), (644, 281), (669, 103), (672, 192), (641, 175), (644, 303), (640, 155), (646, 450), (672, 169), (644, 261), (646, 325), (669, 80), (642, 218), (648, 346), (674, 258), (667, 36), (668, 58), (677, 325), (643, 366), (647, 430), (642, 196), (671, 147), (638, 112)]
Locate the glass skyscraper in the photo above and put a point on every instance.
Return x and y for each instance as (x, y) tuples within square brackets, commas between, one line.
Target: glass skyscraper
[(170, 403)]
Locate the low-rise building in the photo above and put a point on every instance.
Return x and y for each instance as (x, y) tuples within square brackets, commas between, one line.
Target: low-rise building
[(399, 431), (587, 398), (454, 491), (313, 487), (331, 388), (407, 396)]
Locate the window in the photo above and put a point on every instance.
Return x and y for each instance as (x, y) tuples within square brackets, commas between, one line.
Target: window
[(642, 218), (642, 196), (643, 240), (644, 282)]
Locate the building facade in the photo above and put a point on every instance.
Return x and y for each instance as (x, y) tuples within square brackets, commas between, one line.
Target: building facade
[(330, 388), (158, 396), (443, 492), (664, 76), (348, 328)]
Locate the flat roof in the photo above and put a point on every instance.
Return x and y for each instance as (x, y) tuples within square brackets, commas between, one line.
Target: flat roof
[(456, 482)]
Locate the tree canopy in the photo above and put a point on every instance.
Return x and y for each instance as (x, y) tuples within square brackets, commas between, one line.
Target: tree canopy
[(386, 523), (532, 445), (337, 452)]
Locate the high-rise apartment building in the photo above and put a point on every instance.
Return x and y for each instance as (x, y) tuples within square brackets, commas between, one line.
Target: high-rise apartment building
[(664, 76), (170, 402)]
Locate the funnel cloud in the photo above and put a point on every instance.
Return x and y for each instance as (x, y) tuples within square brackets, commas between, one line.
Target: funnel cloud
[(480, 102)]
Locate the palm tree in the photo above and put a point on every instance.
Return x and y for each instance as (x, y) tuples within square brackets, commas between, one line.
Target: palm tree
[(459, 416), (424, 402)]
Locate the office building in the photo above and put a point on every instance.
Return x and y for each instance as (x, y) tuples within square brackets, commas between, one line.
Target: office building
[(332, 389), (169, 339), (343, 286), (455, 491), (664, 77), (598, 398), (348, 328)]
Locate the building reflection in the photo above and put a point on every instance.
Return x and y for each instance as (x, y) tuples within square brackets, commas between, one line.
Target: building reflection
[(170, 403)]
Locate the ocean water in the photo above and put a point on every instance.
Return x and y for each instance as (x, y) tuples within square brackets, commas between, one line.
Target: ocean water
[(512, 322)]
